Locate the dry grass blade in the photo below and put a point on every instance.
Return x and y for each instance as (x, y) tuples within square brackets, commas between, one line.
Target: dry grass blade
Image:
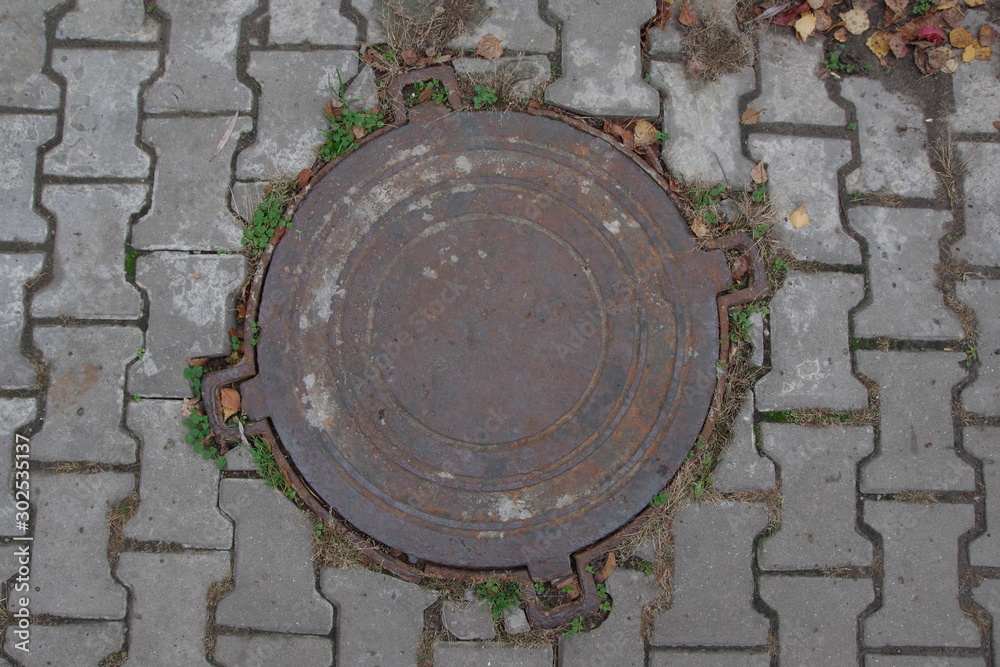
[(949, 168), (718, 50), (426, 25), (119, 515)]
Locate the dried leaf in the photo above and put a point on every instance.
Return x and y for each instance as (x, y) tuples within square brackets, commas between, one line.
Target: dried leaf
[(759, 173), (791, 14), (750, 117), (996, 124), (856, 21), (987, 35), (189, 405), (816, 4), (799, 217), (489, 47), (953, 17), (960, 38), (197, 361), (920, 60), (898, 45), (932, 33), (230, 400), (974, 3), (645, 133), (225, 135), (360, 132), (699, 227), (570, 584), (409, 57), (303, 177), (878, 43), (805, 26), (976, 51), (823, 21), (937, 57), (609, 567), (898, 6), (241, 310), (688, 16), (695, 67), (949, 66), (840, 34)]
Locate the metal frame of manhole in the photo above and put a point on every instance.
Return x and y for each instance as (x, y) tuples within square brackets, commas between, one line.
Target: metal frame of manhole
[(398, 452)]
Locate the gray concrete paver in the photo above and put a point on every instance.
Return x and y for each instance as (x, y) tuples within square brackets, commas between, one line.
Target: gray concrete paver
[(707, 659), (270, 650), (316, 22), (14, 413), (529, 72), (22, 135), (741, 467), (463, 654), (68, 644), (976, 98), (516, 23), (983, 442), (108, 20), (987, 594), (16, 372), (982, 395), (471, 620), (22, 33), (980, 202), (790, 90), (921, 661)]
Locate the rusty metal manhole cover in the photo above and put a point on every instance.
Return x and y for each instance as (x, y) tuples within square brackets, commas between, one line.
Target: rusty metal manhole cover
[(488, 340)]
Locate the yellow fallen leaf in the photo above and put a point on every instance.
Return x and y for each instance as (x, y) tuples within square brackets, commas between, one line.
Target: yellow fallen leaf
[(974, 3), (878, 43), (750, 117), (645, 133), (816, 4), (856, 21), (840, 34), (947, 4), (699, 227), (949, 66), (897, 6), (960, 38), (976, 51), (230, 403), (799, 217), (805, 26), (489, 47), (759, 173)]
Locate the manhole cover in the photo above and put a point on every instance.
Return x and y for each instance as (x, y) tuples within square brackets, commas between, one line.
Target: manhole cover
[(488, 340)]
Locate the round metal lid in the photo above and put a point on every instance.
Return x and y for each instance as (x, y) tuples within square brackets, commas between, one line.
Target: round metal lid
[(488, 340)]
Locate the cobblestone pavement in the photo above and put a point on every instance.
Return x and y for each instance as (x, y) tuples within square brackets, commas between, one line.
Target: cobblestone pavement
[(118, 263)]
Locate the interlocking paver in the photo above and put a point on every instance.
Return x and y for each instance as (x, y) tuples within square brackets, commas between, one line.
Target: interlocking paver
[(365, 600), (893, 137), (708, 659), (980, 202), (711, 601), (108, 20), (271, 650), (201, 58), (102, 87), (902, 252), (88, 273), (471, 620), (917, 443), (516, 23), (275, 583), (817, 480), (703, 147), (607, 35), (618, 641), (291, 109), (809, 345), (160, 585), (529, 72), (177, 487), (463, 654), (803, 170), (14, 413), (987, 594), (310, 22), (976, 98), (22, 135), (817, 617), (515, 621), (189, 295), (85, 399), (190, 188), (371, 12), (70, 519), (741, 467), (16, 372), (983, 442), (920, 564), (790, 90), (921, 661), (983, 394), (68, 644), (362, 94), (22, 32)]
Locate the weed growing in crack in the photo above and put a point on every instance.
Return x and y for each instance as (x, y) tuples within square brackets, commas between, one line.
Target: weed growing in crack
[(575, 626), (268, 468), (740, 324), (483, 97), (131, 257), (269, 216), (660, 498), (193, 375), (602, 595), (199, 436), (500, 595)]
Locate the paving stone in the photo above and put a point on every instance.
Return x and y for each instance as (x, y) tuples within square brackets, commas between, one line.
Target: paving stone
[(976, 97), (983, 394), (893, 139), (711, 601), (68, 644), (902, 247), (917, 443), (101, 114), (88, 273), (530, 72), (291, 117), (515, 621), (110, 20), (275, 583), (981, 201), (238, 458), (983, 442), (987, 593), (190, 188), (271, 650), (472, 620), (178, 488), (189, 296), (310, 22), (22, 32), (668, 41), (464, 654), (163, 585), (14, 413), (790, 90), (201, 58), (371, 11), (817, 617), (16, 372), (920, 590), (703, 147), (362, 94), (22, 135), (803, 170), (810, 359), (516, 23), (70, 520), (757, 339), (818, 517), (707, 659), (741, 467), (618, 641), (367, 600), (602, 59), (921, 661), (246, 197), (83, 409)]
